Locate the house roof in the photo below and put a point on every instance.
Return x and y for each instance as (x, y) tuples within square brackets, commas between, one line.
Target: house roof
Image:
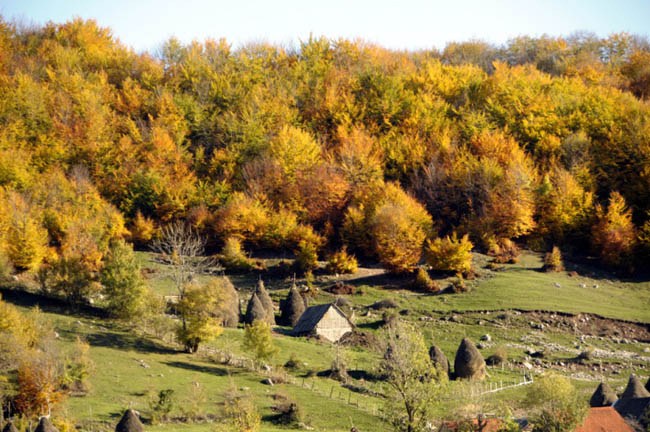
[(313, 315), (604, 419), (633, 408)]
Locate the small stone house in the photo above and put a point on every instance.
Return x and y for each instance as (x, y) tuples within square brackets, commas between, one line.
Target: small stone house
[(326, 321)]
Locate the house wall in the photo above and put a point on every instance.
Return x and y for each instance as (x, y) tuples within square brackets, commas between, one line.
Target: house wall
[(333, 326)]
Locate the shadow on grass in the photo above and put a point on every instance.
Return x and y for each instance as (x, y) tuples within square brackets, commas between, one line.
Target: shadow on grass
[(19, 297), (371, 325), (212, 370), (129, 342)]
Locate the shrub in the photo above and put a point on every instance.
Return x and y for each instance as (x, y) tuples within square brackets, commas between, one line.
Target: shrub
[(498, 358), (504, 251), (240, 412), (423, 282), (233, 258), (258, 340), (459, 286), (306, 257), (293, 363), (553, 260), (450, 254), (389, 317), (161, 405), (341, 288), (289, 414), (342, 263)]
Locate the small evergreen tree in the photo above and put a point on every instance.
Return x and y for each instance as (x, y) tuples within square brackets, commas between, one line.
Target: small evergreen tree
[(124, 287), (259, 341)]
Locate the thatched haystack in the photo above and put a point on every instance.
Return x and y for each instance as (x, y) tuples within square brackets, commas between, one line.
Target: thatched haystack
[(439, 359), (230, 308), (44, 425), (129, 422), (635, 389), (469, 363), (264, 297), (9, 427), (292, 307), (603, 396), (254, 311)]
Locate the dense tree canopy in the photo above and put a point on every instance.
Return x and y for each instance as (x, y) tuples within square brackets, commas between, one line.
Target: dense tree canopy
[(332, 142)]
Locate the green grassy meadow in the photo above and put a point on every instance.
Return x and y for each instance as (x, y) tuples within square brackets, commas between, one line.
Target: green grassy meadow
[(130, 369)]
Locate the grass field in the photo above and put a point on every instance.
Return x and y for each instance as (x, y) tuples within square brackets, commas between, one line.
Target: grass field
[(119, 379)]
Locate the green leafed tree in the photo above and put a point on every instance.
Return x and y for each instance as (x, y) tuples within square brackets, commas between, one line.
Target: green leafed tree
[(124, 287), (413, 383), (201, 316), (259, 341)]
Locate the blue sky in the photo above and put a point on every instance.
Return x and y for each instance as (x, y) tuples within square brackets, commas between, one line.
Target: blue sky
[(410, 24)]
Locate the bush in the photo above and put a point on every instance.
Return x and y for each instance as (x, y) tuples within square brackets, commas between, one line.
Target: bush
[(240, 412), (306, 257), (233, 258), (341, 288), (450, 254), (289, 413), (423, 282), (498, 358), (293, 363), (342, 263), (553, 260), (161, 405), (258, 340), (459, 286), (504, 251)]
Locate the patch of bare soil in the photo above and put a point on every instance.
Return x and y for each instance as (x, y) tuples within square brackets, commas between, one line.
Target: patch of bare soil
[(593, 325), (361, 339)]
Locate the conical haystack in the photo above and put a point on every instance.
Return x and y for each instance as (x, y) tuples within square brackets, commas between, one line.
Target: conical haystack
[(230, 309), (44, 425), (469, 363), (439, 359), (292, 307), (254, 311), (267, 303), (9, 427), (129, 423), (603, 396), (634, 389)]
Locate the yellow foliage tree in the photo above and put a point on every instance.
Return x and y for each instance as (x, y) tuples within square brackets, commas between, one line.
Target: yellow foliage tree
[(450, 254), (25, 240), (614, 234), (200, 315), (295, 150)]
